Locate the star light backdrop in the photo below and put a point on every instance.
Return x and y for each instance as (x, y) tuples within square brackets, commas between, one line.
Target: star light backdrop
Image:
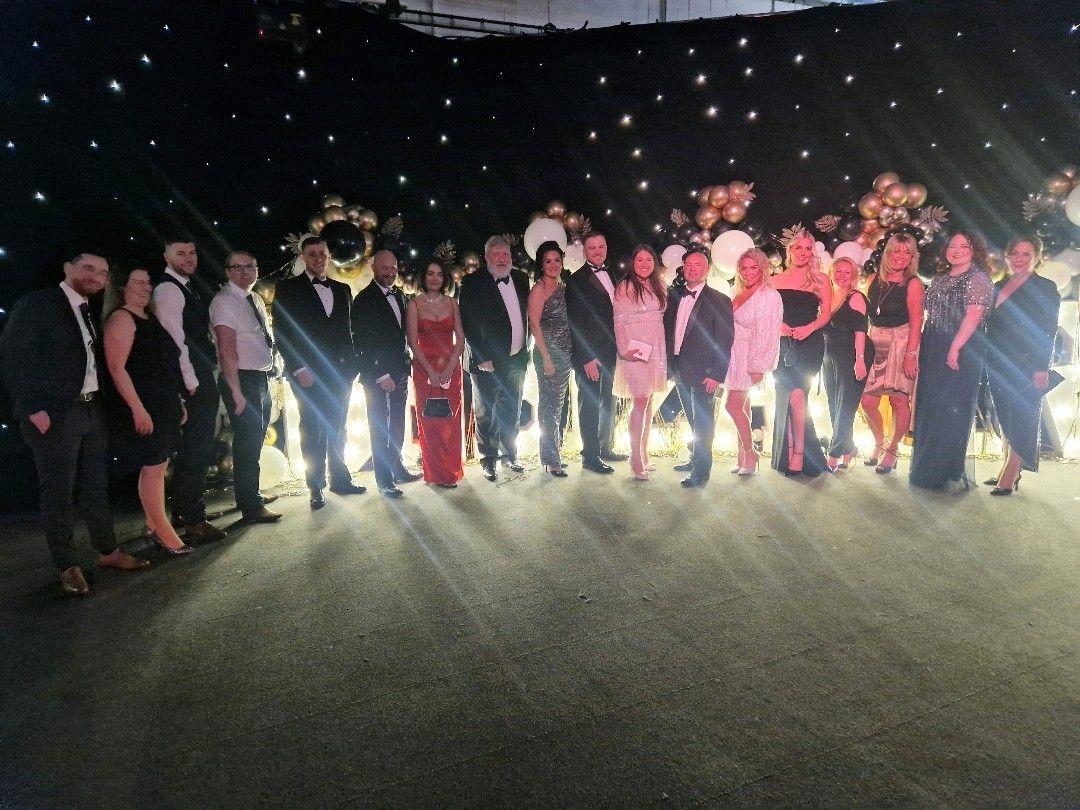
[(119, 124)]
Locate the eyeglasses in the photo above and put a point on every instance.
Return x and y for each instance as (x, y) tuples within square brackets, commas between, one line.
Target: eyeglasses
[(253, 266)]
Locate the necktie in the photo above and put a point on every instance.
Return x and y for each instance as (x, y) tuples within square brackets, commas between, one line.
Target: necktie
[(84, 310), (262, 323)]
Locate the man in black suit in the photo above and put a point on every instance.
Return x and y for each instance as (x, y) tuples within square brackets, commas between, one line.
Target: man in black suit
[(699, 328), (50, 356), (182, 305), (590, 293), (493, 315), (378, 323), (314, 335)]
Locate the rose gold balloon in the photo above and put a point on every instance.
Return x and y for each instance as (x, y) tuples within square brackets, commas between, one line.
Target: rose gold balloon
[(707, 216), (572, 221), (718, 197), (873, 238), (916, 195), (703, 195), (556, 209), (902, 216), (369, 244), (737, 191), (315, 224), (1059, 184), (1072, 172), (895, 194), (864, 240), (870, 205), (333, 213), (368, 220), (884, 180), (870, 225), (333, 199), (734, 212), (697, 239)]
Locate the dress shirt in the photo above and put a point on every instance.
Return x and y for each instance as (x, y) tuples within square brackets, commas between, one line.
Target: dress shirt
[(169, 304), (90, 381), (682, 317), (605, 279), (392, 300), (513, 309), (231, 308), (326, 295)]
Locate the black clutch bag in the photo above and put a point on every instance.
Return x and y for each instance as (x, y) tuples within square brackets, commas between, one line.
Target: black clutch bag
[(437, 408)]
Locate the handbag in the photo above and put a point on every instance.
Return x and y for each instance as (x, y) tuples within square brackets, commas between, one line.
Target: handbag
[(437, 408)]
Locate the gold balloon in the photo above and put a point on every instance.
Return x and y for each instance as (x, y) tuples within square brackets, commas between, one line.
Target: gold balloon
[(572, 221), (470, 259), (873, 238), (368, 221), (1059, 183), (369, 244), (333, 199), (703, 195), (734, 212), (333, 213), (887, 216), (535, 215), (718, 198), (863, 240), (350, 270), (870, 205), (916, 195), (315, 224), (271, 436), (698, 239), (707, 216), (902, 216), (895, 194), (556, 209), (870, 225), (884, 180)]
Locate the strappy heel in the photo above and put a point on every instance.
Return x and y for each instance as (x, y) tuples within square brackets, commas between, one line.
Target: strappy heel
[(875, 459)]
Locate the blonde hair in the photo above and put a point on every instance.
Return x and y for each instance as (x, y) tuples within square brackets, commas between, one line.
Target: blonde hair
[(813, 269), (901, 239), (854, 271), (761, 260)]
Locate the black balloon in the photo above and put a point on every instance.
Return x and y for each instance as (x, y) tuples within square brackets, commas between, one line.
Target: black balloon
[(833, 242), (751, 228), (686, 231), (721, 227), (850, 229), (344, 240)]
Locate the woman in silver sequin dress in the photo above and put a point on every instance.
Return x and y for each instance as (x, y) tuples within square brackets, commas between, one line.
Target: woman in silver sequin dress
[(551, 356)]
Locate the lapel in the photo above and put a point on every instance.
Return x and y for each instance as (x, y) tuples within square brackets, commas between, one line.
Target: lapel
[(68, 316), (387, 307), (314, 297), (598, 283)]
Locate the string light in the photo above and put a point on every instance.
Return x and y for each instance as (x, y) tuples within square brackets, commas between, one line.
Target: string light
[(114, 85), (752, 115), (743, 42), (145, 59), (626, 120), (39, 196), (701, 78), (799, 58)]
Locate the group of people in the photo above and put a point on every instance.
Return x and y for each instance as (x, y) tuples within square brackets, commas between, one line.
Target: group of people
[(148, 386)]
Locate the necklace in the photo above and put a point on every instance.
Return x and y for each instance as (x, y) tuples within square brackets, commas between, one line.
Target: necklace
[(889, 287), (433, 299)]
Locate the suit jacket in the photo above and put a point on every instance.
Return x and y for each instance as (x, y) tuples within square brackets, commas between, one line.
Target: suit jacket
[(380, 342), (710, 331), (42, 356), (306, 337), (592, 322), (484, 317)]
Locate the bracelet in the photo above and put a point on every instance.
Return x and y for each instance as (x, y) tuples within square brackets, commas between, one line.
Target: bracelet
[(860, 356), (914, 354)]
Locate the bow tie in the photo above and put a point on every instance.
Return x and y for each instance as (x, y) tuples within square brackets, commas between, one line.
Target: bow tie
[(600, 269), (692, 293), (503, 280), (389, 293), (321, 281)]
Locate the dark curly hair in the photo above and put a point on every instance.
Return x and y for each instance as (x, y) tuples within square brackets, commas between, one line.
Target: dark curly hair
[(980, 253)]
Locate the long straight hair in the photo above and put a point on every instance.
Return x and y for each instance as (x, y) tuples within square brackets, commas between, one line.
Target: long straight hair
[(655, 282)]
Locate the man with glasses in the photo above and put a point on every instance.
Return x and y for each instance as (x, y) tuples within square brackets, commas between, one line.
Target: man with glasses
[(245, 351)]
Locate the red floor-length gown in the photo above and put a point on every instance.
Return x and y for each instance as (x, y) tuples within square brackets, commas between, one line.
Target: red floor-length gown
[(440, 437)]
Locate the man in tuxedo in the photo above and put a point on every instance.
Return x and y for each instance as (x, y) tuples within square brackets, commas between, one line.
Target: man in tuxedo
[(699, 328), (182, 305), (378, 323), (314, 334), (493, 315), (590, 293), (50, 357)]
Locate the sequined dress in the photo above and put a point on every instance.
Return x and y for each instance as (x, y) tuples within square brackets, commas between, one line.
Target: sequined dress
[(556, 330), (642, 321)]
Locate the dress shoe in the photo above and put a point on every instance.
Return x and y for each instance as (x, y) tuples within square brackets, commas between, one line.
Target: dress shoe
[(692, 482), (317, 500), (267, 499), (407, 477), (177, 551), (348, 489), (73, 583), (203, 532), (613, 456), (264, 515), (513, 465), (445, 486), (687, 467), (557, 471), (390, 492), (488, 465), (122, 562), (597, 466)]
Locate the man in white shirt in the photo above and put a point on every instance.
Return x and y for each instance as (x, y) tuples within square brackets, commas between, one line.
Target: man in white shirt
[(246, 356)]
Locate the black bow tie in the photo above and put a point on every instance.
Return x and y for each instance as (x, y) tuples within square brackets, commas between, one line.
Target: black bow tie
[(600, 269), (322, 281), (503, 280), (693, 293), (389, 292)]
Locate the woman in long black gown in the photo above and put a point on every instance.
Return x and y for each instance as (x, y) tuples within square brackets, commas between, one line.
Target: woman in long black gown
[(806, 293), (1023, 324), (951, 363), (848, 355)]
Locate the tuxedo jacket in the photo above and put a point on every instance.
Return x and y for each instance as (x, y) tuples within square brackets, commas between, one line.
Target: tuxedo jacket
[(710, 331), (380, 343), (307, 337), (592, 322), (484, 317), (42, 355)]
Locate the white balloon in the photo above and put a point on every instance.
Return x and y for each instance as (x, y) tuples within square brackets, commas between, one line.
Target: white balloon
[(671, 258), (849, 250), (273, 467), (1070, 258), (1058, 272), (544, 230), (574, 256), (727, 248), (1072, 206)]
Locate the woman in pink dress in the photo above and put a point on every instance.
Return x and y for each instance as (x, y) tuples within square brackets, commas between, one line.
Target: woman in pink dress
[(756, 349), (433, 326), (641, 366)]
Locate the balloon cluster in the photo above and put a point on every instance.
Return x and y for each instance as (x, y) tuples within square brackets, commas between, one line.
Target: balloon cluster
[(727, 203), (556, 224), (1054, 212), (889, 205), (350, 232)]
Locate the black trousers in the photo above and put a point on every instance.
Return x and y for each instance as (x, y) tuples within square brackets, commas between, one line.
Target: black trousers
[(386, 426), (195, 453), (249, 432), (73, 480), (323, 409), (497, 407), (700, 410), (596, 413)]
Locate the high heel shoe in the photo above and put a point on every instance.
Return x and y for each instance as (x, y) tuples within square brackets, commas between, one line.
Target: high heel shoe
[(1006, 490), (650, 467), (752, 468), (847, 459), (882, 467), (557, 471), (875, 459), (641, 476), (831, 464), (172, 552), (790, 473)]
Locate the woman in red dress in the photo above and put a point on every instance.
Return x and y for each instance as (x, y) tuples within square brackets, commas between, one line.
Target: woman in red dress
[(433, 325)]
